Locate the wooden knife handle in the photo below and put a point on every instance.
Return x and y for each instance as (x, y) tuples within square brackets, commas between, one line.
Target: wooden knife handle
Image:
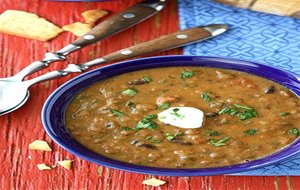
[(160, 44), (120, 22)]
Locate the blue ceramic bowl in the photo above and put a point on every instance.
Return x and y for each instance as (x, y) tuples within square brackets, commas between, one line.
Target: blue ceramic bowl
[(53, 112)]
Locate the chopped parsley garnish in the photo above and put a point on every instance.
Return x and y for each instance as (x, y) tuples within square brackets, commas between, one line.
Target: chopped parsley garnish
[(243, 112), (250, 131), (175, 113), (284, 113), (150, 117), (117, 113), (247, 115), (127, 128), (170, 137), (147, 123), (213, 133), (147, 79), (220, 142), (164, 106), (229, 110), (155, 141), (178, 134), (130, 92), (187, 74), (294, 131), (151, 139), (205, 96), (243, 107)]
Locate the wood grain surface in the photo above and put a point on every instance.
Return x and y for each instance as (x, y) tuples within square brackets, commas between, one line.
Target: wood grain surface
[(18, 164)]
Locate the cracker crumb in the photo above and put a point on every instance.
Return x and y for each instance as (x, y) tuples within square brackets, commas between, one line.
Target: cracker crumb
[(65, 163), (91, 16), (154, 182), (43, 167), (78, 28), (39, 145)]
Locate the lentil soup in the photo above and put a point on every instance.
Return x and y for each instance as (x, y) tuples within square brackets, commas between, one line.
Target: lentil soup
[(245, 117)]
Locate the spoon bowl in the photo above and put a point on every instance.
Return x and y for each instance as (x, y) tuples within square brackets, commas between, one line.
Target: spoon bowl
[(13, 94)]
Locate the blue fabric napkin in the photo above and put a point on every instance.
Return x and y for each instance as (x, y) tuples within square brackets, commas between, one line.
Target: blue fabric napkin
[(254, 36)]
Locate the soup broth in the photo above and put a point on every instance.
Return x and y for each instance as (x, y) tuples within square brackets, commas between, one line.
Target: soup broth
[(245, 117)]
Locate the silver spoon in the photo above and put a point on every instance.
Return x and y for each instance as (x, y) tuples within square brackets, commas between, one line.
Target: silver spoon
[(13, 94)]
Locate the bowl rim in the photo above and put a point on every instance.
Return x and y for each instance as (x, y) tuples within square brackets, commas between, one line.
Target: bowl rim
[(290, 80)]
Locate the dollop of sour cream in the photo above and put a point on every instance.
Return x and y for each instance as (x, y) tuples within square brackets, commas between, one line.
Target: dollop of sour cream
[(183, 117)]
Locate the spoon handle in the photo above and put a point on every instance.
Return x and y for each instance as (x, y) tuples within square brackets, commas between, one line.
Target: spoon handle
[(113, 25), (162, 43)]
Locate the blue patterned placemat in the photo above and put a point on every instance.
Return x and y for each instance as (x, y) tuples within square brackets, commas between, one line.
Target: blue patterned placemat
[(254, 36)]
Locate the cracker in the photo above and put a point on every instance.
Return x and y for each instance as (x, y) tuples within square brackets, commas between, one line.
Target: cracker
[(65, 163), (154, 182), (43, 167), (78, 28), (39, 145), (27, 25), (91, 16)]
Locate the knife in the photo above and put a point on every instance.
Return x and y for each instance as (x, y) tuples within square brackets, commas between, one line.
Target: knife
[(113, 25)]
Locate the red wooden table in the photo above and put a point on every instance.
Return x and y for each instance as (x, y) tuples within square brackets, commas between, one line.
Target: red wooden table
[(18, 164)]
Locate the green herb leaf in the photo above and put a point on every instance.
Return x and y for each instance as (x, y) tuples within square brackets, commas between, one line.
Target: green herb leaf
[(150, 117), (130, 92), (175, 113), (149, 137), (164, 106), (117, 113), (243, 107), (127, 128), (187, 74), (205, 96), (229, 110), (220, 142), (170, 137), (284, 113), (294, 131), (147, 123), (243, 112), (247, 114), (213, 133), (225, 110), (147, 79), (250, 131), (178, 134)]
